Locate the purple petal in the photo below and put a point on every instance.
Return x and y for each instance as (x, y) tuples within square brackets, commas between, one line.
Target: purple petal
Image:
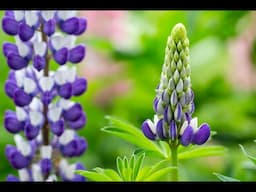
[(178, 112), (47, 97), (65, 90), (58, 127), (73, 113), (9, 48), (160, 129), (79, 123), (82, 146), (39, 62), (173, 130), (79, 178), (12, 178), (167, 114), (46, 166), (61, 56), (82, 26), (16, 62), (70, 25), (79, 86), (147, 131), (11, 123), (70, 149), (49, 27), (156, 100), (77, 54), (21, 98), (10, 88), (202, 134), (10, 26), (187, 136), (31, 132), (17, 160), (25, 32), (9, 13)]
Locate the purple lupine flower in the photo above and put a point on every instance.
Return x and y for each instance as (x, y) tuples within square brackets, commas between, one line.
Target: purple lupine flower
[(43, 97), (173, 103)]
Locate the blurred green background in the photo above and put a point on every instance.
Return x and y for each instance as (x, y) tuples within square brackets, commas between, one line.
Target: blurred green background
[(125, 52)]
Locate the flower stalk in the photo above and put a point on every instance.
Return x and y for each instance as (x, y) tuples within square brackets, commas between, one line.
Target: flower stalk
[(45, 121), (173, 104)]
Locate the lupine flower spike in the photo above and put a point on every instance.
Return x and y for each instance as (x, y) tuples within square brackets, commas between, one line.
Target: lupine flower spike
[(45, 120), (173, 104)]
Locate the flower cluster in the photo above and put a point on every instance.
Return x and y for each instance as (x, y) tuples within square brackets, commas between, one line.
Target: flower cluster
[(45, 120), (173, 103)]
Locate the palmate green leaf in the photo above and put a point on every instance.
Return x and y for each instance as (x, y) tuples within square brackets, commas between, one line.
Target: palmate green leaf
[(253, 159), (94, 176), (203, 151), (132, 165), (159, 173), (131, 134), (226, 178), (120, 166), (138, 165), (113, 175)]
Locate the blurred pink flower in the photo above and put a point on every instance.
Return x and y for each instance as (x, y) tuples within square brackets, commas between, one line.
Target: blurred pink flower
[(242, 71)]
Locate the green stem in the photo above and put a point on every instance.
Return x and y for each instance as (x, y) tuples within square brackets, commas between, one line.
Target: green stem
[(174, 161)]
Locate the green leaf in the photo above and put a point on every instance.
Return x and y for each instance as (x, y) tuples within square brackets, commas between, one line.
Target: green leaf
[(120, 166), (113, 175), (138, 165), (226, 178), (160, 173), (94, 176), (202, 152), (159, 165), (143, 173), (253, 159), (132, 165), (131, 134)]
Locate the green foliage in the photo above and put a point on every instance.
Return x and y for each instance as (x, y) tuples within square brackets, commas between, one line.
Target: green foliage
[(225, 178), (129, 170)]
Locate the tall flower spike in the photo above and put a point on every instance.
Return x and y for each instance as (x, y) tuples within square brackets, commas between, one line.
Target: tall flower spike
[(173, 103), (45, 114)]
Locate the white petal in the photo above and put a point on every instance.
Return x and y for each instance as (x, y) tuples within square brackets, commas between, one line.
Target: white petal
[(51, 178), (57, 41), (54, 113), (156, 119), (19, 76), (69, 172), (60, 77), (31, 17), (36, 104), (23, 174), (65, 103), (36, 173), (47, 15), (36, 117), (29, 85), (151, 126), (36, 37), (46, 83), (23, 48), (67, 136), (183, 127), (40, 48), (46, 151), (39, 137), (194, 124), (71, 74), (66, 14), (69, 41), (22, 145), (63, 164), (19, 15), (21, 114)]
